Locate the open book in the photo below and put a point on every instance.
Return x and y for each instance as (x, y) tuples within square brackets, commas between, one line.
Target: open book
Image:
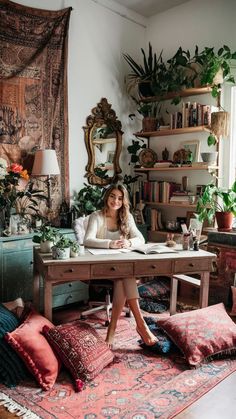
[(151, 248)]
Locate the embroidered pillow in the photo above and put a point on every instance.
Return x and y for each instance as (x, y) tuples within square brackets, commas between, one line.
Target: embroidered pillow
[(12, 369), (80, 349), (156, 289), (233, 311), (30, 344), (201, 334)]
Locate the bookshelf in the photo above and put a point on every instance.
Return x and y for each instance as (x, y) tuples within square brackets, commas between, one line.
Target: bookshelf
[(195, 91), (197, 172), (176, 131)]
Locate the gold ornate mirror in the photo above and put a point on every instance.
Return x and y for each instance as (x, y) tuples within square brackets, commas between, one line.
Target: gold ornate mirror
[(103, 140)]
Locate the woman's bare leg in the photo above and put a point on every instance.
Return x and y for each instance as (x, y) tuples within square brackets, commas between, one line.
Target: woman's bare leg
[(118, 303), (148, 337)]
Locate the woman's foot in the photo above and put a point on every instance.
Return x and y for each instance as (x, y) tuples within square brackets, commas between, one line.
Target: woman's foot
[(147, 336), (110, 335)]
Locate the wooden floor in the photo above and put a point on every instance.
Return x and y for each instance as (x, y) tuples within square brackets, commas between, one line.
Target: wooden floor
[(219, 403)]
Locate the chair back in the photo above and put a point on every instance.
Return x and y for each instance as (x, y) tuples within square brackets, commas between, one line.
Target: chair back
[(80, 226)]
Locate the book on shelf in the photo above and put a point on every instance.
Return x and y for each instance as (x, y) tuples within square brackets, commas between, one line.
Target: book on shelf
[(153, 248)]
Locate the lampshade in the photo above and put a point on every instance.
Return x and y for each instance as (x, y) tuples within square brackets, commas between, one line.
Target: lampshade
[(45, 163)]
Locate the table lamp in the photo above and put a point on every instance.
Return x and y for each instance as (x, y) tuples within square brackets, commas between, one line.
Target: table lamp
[(46, 164)]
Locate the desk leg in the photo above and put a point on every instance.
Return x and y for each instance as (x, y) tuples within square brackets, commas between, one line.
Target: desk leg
[(48, 299), (36, 294), (204, 289), (173, 295)]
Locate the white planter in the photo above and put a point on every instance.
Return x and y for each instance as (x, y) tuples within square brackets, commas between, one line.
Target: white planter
[(74, 254), (209, 157), (46, 247), (60, 253)]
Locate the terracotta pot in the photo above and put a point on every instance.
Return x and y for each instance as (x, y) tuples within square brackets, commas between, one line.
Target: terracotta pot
[(149, 124), (224, 221)]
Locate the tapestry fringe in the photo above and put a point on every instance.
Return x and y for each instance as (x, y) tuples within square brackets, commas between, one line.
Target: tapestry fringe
[(16, 408)]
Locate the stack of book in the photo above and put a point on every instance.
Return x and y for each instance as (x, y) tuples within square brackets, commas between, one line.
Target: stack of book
[(183, 197)]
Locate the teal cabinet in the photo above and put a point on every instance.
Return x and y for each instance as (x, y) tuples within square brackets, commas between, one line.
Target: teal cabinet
[(16, 272)]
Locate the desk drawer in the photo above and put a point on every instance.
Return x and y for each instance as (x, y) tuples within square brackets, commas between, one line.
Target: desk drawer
[(69, 287), (69, 298), (152, 267), (194, 265), (69, 272), (109, 270)]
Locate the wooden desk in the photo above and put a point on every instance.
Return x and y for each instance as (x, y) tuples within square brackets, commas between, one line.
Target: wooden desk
[(115, 266)]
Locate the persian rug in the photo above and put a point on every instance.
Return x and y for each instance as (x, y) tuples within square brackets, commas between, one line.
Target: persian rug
[(33, 88), (139, 384)]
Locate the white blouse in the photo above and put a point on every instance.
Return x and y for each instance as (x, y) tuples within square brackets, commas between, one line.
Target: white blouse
[(97, 234)]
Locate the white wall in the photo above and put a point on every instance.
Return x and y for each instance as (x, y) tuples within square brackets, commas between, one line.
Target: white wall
[(203, 23), (96, 68)]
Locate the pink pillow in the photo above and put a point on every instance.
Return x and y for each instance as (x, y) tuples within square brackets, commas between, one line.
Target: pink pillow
[(30, 344), (233, 311), (80, 349), (202, 333)]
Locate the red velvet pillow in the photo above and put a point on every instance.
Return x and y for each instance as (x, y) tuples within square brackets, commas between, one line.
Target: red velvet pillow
[(201, 334), (30, 344), (80, 349)]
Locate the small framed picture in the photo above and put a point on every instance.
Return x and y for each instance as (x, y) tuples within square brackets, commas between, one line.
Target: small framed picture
[(194, 147)]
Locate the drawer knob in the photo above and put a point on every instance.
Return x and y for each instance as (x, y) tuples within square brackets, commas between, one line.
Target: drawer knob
[(113, 268), (191, 265), (70, 285), (153, 266), (71, 270)]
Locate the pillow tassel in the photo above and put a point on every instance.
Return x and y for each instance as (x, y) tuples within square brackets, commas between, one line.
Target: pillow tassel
[(79, 384)]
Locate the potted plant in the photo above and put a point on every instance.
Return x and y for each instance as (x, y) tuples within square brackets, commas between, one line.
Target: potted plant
[(88, 200), (143, 74), (46, 236), (61, 249), (150, 112), (74, 248), (219, 203), (214, 67)]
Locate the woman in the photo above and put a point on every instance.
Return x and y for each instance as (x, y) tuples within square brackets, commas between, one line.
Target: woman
[(114, 227)]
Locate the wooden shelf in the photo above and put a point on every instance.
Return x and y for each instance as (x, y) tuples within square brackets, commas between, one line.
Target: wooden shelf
[(183, 93), (174, 169), (172, 204), (177, 131)]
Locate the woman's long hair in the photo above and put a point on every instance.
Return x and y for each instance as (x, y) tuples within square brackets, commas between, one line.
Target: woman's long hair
[(123, 212)]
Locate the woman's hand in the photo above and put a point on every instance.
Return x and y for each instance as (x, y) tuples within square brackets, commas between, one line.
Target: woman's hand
[(120, 244)]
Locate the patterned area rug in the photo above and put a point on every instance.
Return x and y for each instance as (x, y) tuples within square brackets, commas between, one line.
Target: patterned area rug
[(140, 385)]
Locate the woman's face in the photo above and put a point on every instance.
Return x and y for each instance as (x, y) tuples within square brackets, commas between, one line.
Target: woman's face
[(115, 200)]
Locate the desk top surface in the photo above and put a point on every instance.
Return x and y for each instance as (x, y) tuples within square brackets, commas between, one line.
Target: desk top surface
[(46, 258)]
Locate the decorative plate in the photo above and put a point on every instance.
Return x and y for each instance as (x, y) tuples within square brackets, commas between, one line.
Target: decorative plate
[(147, 157)]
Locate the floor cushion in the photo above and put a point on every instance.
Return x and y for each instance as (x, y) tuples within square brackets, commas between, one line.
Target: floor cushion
[(12, 369), (202, 334), (33, 348), (80, 349)]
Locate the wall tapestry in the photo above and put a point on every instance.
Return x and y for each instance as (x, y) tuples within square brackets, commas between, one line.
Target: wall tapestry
[(33, 88)]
